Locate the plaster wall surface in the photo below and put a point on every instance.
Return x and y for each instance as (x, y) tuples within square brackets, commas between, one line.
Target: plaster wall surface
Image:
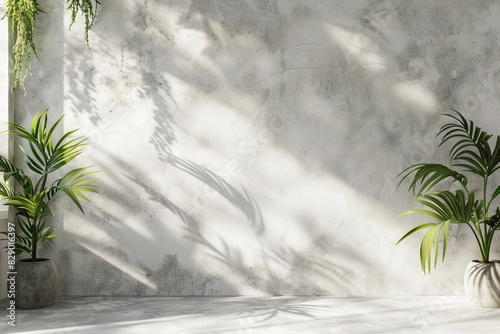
[(250, 147)]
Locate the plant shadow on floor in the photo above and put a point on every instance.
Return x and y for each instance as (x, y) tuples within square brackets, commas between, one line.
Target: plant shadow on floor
[(92, 314)]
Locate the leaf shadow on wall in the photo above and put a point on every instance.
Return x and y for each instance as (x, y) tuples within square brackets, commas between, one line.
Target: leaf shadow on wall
[(358, 67), (153, 85), (107, 252), (381, 86), (82, 86), (304, 271)]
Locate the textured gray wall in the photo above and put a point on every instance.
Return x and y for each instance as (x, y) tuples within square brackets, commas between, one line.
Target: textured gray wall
[(250, 147)]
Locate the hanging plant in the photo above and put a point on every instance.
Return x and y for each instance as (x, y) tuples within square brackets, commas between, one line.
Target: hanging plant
[(86, 9), (22, 15)]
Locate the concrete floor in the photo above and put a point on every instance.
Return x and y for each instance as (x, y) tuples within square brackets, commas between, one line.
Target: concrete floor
[(249, 315)]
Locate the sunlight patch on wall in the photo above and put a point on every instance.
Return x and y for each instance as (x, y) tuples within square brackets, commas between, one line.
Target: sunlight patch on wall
[(132, 271), (98, 239), (219, 130), (358, 47), (136, 225), (414, 93)]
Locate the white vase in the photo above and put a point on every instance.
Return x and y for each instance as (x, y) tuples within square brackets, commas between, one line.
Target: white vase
[(482, 283)]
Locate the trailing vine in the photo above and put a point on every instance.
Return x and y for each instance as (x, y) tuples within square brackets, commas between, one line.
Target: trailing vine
[(22, 15), (86, 8)]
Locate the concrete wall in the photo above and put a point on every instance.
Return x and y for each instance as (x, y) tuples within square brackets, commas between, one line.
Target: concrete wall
[(250, 147)]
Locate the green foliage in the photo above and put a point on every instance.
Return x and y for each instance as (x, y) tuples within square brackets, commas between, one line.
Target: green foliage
[(33, 196), (86, 8), (22, 15), (472, 153), (29, 233)]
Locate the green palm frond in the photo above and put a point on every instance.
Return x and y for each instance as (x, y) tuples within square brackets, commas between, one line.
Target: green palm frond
[(430, 243), (36, 141), (23, 237), (429, 248), (472, 150), (456, 207), (427, 175), (5, 190), (35, 208), (44, 155), (28, 234), (45, 233), (9, 170), (446, 208), (22, 243), (65, 153), (74, 184), (494, 220)]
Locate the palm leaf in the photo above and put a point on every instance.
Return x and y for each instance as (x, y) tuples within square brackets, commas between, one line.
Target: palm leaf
[(446, 207), (74, 184), (415, 230), (494, 220), (45, 232), (6, 191), (49, 143), (32, 164), (64, 154), (427, 175), (21, 243), (20, 131), (47, 158), (35, 207), (495, 157), (429, 248), (472, 151), (43, 158), (27, 233), (9, 170)]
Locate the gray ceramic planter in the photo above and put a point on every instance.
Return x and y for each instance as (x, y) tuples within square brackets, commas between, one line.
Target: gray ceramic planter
[(36, 283), (482, 283)]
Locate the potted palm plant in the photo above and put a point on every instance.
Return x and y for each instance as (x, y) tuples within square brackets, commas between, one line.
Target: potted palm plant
[(32, 195), (473, 161)]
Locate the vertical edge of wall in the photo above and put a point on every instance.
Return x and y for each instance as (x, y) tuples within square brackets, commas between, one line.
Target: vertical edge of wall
[(5, 115)]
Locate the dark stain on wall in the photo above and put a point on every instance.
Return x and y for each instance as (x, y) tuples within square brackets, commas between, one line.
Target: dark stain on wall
[(173, 279)]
